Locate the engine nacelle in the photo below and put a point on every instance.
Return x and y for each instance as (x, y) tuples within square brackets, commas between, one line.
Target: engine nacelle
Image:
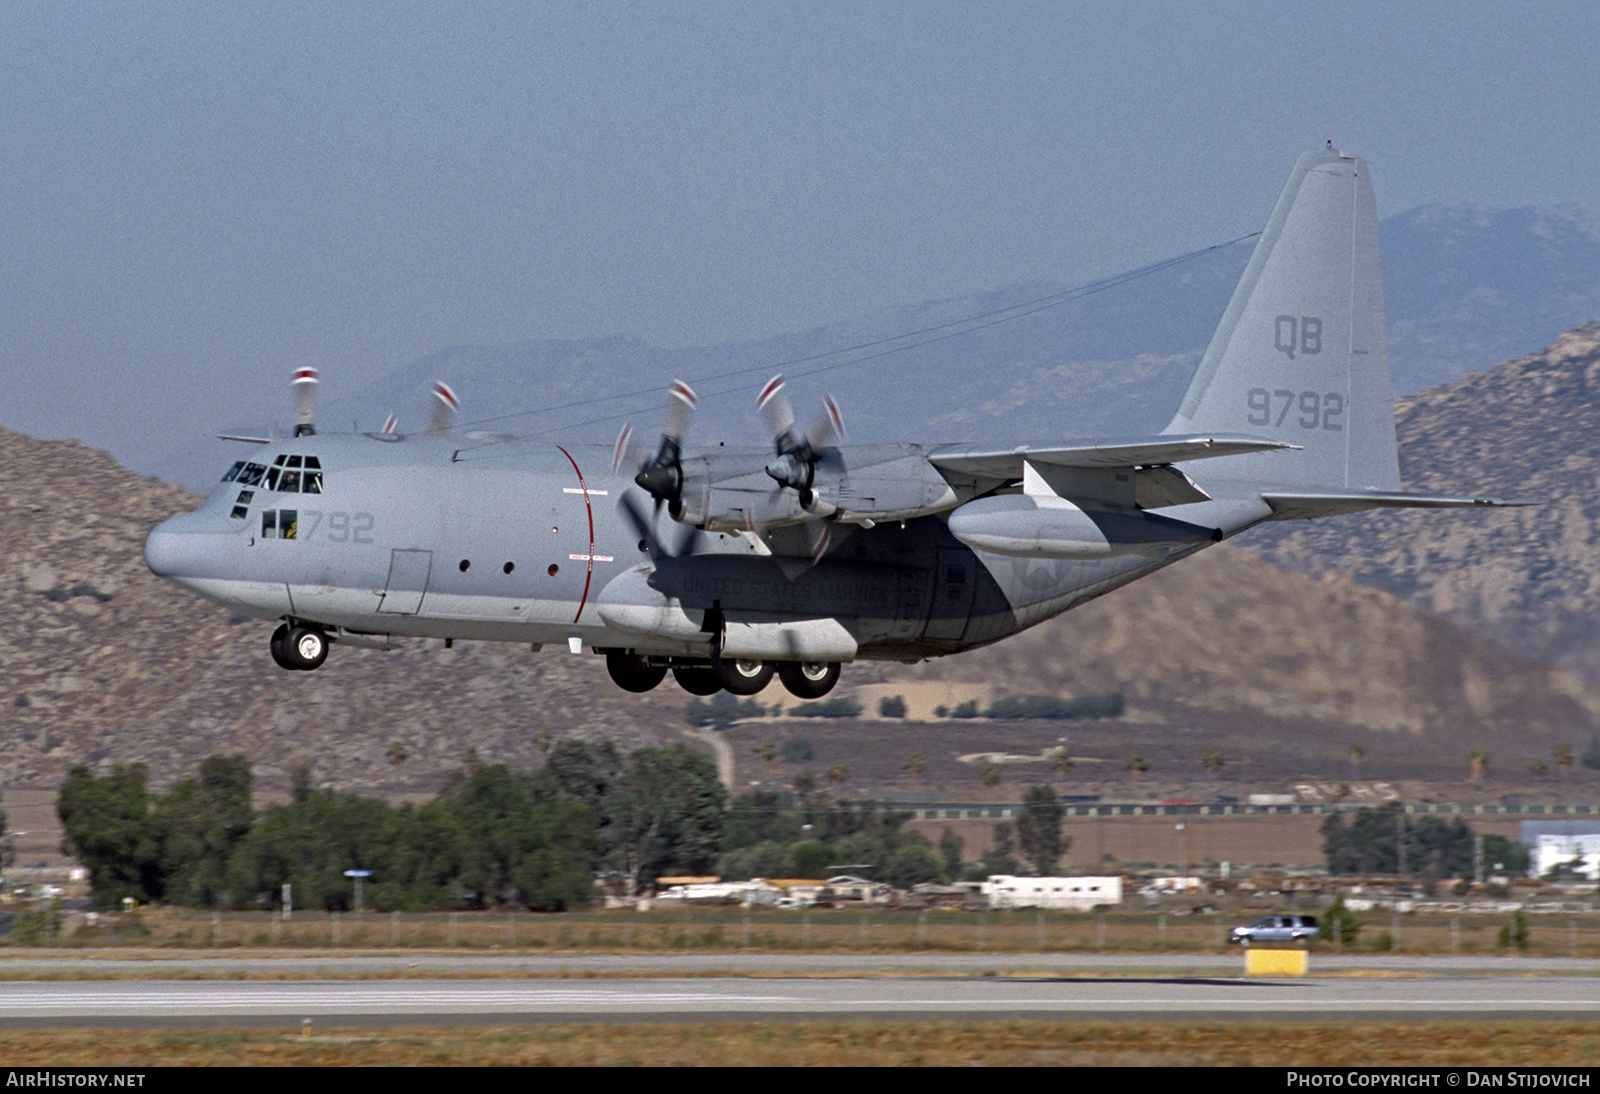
[(1026, 526)]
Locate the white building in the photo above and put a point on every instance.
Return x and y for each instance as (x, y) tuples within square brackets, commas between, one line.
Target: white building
[(1557, 843), (1078, 894)]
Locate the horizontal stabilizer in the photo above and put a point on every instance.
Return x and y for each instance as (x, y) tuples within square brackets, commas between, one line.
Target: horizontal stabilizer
[(1007, 463), (1306, 504)]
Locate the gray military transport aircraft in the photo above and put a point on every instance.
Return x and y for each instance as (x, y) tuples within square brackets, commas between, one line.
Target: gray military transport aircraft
[(794, 559)]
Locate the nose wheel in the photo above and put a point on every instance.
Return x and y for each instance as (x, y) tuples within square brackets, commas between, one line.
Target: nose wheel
[(299, 647)]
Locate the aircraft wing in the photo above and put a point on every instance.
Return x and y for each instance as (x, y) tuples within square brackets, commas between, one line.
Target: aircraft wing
[(1303, 504), (1007, 463)]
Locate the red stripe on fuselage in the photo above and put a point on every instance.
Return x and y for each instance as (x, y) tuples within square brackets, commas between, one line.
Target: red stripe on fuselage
[(588, 573)]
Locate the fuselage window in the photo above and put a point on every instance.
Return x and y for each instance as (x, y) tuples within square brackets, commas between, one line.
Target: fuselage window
[(241, 504), (279, 523)]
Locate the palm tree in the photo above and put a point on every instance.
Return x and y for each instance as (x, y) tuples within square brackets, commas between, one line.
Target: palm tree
[(1137, 765), (1212, 760)]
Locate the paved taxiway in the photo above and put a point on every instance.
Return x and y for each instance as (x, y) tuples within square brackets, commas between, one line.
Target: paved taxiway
[(512, 990)]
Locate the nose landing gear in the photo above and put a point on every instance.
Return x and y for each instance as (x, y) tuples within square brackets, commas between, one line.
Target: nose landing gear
[(299, 647)]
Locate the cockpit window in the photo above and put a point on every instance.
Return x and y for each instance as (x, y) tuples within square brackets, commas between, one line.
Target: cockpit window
[(294, 474), (250, 474), (233, 472)]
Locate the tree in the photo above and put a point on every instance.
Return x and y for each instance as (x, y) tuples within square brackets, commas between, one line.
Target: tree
[(666, 814), (1514, 935), (200, 823), (1039, 829), (1339, 924), (1001, 856), (950, 847), (1137, 765), (108, 828), (892, 706), (1562, 753), (1061, 761), (1371, 844), (914, 864), (1212, 761)]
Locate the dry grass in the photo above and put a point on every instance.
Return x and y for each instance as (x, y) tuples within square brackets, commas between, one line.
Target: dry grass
[(812, 1044), (716, 930)]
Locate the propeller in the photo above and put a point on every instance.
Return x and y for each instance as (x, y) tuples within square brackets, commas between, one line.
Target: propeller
[(446, 403), (304, 384), (796, 464), (644, 524), (662, 476)]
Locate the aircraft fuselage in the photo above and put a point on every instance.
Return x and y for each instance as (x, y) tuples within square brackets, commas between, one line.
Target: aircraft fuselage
[(418, 536)]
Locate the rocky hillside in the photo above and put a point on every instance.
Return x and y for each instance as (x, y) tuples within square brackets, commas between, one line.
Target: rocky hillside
[(1529, 578), (1224, 631), (104, 663)]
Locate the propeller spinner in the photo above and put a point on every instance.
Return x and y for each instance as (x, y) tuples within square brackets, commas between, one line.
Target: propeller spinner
[(662, 476), (795, 467)]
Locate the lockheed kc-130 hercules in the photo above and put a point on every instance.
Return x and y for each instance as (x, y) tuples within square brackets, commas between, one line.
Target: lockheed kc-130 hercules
[(727, 566)]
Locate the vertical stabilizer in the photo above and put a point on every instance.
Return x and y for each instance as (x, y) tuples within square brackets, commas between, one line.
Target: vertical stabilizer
[(1299, 355)]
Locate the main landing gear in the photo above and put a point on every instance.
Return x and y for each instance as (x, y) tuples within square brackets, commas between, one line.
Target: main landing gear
[(299, 646), (737, 676)]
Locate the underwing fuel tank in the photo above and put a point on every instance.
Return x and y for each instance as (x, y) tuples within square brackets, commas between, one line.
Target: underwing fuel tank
[(1025, 526)]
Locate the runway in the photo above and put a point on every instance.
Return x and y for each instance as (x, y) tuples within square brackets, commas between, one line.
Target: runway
[(506, 991)]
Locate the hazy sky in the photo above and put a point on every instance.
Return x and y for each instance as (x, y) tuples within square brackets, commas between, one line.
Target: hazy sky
[(199, 196)]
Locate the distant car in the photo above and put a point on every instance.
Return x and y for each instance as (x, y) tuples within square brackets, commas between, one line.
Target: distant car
[(1276, 928)]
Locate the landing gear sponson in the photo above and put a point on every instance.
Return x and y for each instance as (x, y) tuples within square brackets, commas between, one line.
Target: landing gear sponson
[(804, 679), (299, 647)]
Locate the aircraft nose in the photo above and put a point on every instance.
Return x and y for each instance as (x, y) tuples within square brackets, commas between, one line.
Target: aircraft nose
[(175, 548)]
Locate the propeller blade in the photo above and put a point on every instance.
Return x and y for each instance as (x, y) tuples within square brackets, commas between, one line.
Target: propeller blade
[(644, 525), (662, 477), (829, 427), (620, 453), (774, 406), (304, 383), (390, 424), (680, 411), (446, 403)]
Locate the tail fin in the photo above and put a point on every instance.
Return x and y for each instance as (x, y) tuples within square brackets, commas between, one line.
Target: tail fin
[(1299, 355)]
